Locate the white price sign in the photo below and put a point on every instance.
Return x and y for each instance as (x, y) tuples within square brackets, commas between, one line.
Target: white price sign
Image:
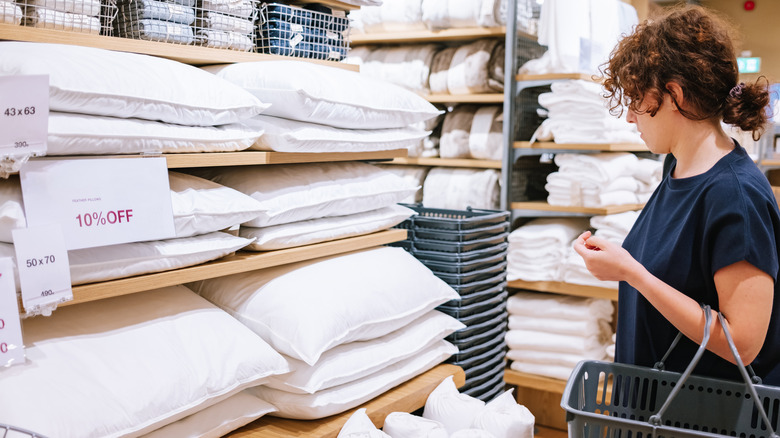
[(100, 201), (11, 346), (44, 270), (24, 114)]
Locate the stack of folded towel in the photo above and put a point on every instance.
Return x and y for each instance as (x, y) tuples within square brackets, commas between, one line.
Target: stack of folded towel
[(549, 334), (227, 24), (157, 20), (537, 248), (603, 179), (613, 227), (577, 113), (473, 131), (81, 16), (406, 15), (10, 13), (458, 189)]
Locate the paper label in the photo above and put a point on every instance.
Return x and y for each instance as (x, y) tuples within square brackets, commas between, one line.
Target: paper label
[(100, 202), (296, 28), (44, 269), (331, 35), (24, 115), (11, 346), (297, 38)]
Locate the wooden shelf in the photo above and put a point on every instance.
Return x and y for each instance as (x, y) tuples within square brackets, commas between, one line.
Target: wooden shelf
[(242, 261), (465, 98), (447, 162), (260, 157), (555, 77), (606, 147), (512, 377), (543, 206), (565, 288), (422, 36), (770, 162), (195, 55), (406, 397)]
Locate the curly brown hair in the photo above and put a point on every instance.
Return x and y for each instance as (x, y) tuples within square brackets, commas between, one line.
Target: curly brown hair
[(691, 46)]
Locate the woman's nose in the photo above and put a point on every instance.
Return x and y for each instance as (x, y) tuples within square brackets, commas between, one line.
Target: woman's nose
[(631, 116)]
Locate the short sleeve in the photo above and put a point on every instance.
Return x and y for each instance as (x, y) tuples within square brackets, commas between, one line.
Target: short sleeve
[(742, 220)]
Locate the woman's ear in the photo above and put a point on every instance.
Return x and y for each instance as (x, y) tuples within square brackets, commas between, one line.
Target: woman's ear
[(676, 93)]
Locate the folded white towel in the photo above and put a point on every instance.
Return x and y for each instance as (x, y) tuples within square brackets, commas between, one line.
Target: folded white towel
[(542, 341), (649, 171), (461, 188), (550, 358), (559, 306), (532, 272), (619, 222), (606, 165), (587, 327), (552, 371), (552, 231)]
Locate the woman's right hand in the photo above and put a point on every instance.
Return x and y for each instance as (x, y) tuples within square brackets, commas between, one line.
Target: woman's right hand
[(604, 259)]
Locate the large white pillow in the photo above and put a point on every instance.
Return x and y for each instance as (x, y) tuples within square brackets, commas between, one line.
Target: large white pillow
[(343, 397), (306, 308), (329, 96), (107, 83), (217, 420), (82, 134), (352, 361), (285, 135), (324, 229), (298, 192), (359, 425), (109, 262), (128, 365), (451, 408)]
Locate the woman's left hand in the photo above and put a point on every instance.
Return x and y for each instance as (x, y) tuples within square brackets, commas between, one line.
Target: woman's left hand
[(604, 259)]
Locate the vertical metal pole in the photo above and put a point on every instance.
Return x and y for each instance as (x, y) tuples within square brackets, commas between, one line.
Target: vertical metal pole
[(510, 91)]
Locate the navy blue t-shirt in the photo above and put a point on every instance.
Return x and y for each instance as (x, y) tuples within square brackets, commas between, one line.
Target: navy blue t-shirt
[(689, 229)]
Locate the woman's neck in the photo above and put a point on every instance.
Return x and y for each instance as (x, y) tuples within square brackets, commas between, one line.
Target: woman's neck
[(702, 144)]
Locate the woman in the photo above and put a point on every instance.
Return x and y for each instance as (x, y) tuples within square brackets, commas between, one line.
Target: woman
[(710, 232)]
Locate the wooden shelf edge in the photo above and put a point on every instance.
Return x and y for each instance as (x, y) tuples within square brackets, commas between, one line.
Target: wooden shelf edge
[(427, 35), (406, 397), (555, 77), (608, 147), (243, 261), (465, 98), (544, 206), (512, 377), (195, 55), (244, 158), (579, 290), (447, 162)]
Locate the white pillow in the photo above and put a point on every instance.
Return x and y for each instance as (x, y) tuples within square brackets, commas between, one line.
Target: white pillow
[(297, 192), (284, 135), (202, 206), (349, 362), (104, 263), (359, 425), (505, 418), (329, 96), (472, 433), (217, 420), (81, 134), (341, 398), (406, 425), (324, 229), (131, 364), (110, 83), (449, 407), (306, 308)]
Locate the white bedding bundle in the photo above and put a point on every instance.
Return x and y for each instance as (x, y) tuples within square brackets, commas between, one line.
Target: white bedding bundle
[(549, 334), (408, 66), (577, 113), (602, 179), (473, 131), (406, 15), (537, 248), (71, 15), (461, 188)]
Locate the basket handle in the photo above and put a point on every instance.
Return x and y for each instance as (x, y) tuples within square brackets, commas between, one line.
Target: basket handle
[(655, 420)]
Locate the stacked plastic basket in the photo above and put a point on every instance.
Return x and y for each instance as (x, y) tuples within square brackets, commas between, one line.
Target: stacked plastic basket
[(467, 249)]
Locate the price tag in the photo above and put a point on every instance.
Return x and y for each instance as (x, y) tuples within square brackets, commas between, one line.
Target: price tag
[(296, 27), (100, 201), (297, 38), (11, 346), (24, 114), (44, 269)]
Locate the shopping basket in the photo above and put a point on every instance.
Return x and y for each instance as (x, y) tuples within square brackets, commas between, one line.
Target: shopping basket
[(610, 400)]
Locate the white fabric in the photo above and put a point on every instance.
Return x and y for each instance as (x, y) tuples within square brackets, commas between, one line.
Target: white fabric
[(449, 407), (57, 20), (341, 398), (284, 135), (81, 134), (407, 66), (550, 357), (330, 96), (546, 370), (120, 84), (238, 8), (414, 175), (223, 22), (86, 7), (559, 306), (360, 426), (486, 139), (324, 229), (353, 297), (406, 425), (472, 433), (221, 39), (202, 206), (217, 420), (10, 13), (580, 327), (128, 365), (461, 188), (110, 262), (349, 362), (505, 418), (537, 248), (297, 192), (395, 16), (571, 344)]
